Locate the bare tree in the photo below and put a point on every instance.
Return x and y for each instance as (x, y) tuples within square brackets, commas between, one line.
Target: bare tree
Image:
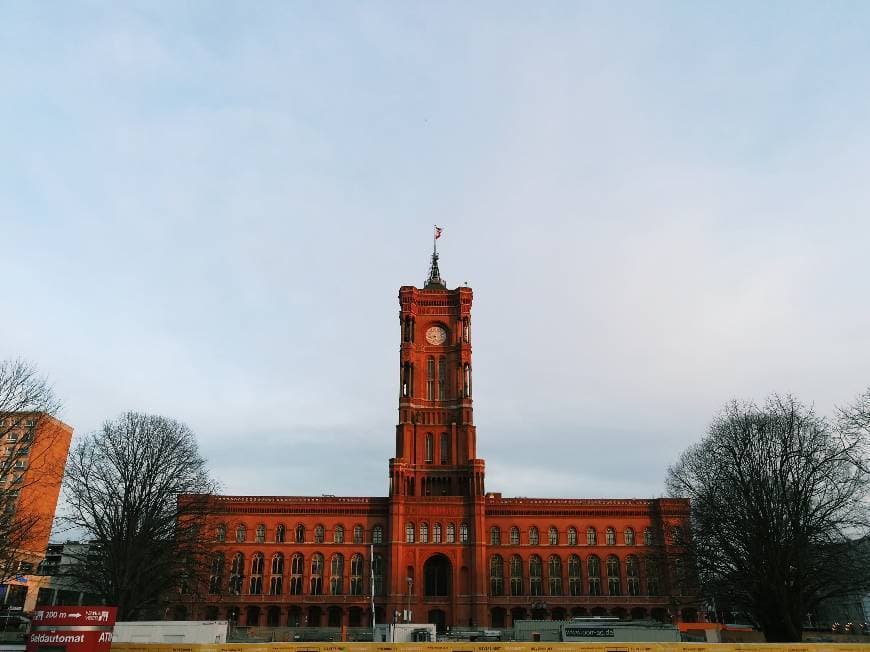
[(138, 488), (779, 510), (27, 404)]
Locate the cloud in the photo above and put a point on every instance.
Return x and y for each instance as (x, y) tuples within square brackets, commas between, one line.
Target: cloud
[(208, 214)]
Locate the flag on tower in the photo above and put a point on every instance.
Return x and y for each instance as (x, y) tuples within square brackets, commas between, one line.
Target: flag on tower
[(438, 230)]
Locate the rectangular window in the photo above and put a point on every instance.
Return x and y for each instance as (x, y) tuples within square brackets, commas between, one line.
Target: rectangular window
[(445, 448)]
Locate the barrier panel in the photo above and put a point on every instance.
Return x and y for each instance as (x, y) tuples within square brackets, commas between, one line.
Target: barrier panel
[(459, 646)]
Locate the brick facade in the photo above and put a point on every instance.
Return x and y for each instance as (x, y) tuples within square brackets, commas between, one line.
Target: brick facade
[(455, 553)]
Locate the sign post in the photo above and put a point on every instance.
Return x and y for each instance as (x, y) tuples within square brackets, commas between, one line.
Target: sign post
[(71, 629)]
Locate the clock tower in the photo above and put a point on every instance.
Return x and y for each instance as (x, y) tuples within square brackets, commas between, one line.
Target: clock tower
[(437, 501), (435, 436)]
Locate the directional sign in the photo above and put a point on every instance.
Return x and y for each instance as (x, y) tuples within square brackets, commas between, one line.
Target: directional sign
[(47, 616), (76, 629)]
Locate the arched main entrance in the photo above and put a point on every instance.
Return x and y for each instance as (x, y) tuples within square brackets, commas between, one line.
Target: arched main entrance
[(437, 575)]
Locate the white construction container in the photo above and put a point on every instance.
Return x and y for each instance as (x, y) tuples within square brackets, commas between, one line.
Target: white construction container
[(405, 633), (171, 631)]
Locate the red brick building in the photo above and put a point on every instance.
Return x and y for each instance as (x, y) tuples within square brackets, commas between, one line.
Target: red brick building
[(441, 544)]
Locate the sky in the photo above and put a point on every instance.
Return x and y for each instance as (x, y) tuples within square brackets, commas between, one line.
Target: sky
[(207, 209)]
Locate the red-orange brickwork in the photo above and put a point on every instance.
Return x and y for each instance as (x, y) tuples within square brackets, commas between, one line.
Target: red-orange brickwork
[(442, 545)]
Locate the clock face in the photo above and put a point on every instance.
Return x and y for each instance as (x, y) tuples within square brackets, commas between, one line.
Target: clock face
[(436, 335)]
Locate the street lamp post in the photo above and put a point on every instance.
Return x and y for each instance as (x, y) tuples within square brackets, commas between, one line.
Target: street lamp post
[(410, 586)]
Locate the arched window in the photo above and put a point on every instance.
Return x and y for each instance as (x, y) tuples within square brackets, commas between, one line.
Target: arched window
[(220, 534), (610, 537), (279, 533), (593, 572), (591, 537), (260, 534), (632, 575), (495, 536), (409, 533), (647, 537), (466, 334), (408, 330), (613, 582), (628, 536), (451, 533), (442, 379), (338, 534), (536, 568), (378, 575), (216, 577), (436, 533), (300, 533), (241, 533), (256, 585), (318, 534), (316, 574), (407, 379), (652, 576), (555, 575), (430, 379), (553, 536), (463, 533), (297, 567), (516, 575), (533, 536), (515, 536), (430, 448), (496, 575), (575, 586), (276, 578), (336, 574), (466, 377), (357, 533), (237, 573), (377, 534), (572, 536), (356, 574), (424, 533), (445, 448)]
